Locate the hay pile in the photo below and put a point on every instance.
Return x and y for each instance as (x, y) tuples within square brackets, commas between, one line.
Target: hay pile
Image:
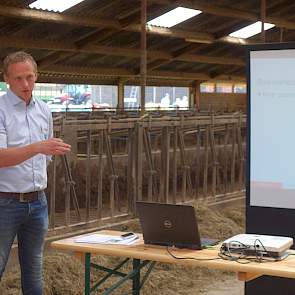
[(63, 275)]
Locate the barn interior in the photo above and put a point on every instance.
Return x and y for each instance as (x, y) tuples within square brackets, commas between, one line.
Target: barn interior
[(129, 150)]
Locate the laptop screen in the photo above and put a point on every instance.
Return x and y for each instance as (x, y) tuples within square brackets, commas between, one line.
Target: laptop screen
[(169, 225)]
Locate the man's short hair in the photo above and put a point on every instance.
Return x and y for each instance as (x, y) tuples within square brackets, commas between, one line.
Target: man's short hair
[(15, 57)]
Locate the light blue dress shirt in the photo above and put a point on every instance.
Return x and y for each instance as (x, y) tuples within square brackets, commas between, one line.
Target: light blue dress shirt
[(21, 125)]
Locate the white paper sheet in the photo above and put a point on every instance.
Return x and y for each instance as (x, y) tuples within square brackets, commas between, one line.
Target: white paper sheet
[(107, 239)]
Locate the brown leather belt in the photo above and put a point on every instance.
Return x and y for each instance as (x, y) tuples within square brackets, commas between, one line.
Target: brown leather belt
[(21, 197)]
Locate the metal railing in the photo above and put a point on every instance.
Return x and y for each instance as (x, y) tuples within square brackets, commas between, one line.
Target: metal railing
[(116, 161)]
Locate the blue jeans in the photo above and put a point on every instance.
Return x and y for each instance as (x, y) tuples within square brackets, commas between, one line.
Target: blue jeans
[(29, 222)]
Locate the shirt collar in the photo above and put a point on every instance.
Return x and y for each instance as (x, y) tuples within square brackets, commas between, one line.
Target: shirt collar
[(16, 100)]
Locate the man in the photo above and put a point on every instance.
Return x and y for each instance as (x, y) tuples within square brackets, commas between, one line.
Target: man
[(26, 144)]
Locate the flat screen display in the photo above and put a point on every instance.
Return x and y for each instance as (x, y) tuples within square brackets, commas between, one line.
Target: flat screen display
[(272, 128)]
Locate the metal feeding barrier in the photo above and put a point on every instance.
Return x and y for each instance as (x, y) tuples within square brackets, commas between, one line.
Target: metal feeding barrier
[(116, 161)]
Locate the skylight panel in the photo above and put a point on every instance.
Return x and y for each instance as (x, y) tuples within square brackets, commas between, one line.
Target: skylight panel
[(55, 5), (251, 30), (174, 17)]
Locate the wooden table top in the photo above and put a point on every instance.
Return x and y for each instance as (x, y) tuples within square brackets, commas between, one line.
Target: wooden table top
[(139, 250)]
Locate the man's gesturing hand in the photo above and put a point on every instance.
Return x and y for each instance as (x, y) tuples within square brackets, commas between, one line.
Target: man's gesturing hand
[(52, 146)]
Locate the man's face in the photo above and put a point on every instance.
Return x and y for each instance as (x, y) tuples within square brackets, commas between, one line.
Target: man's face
[(21, 77)]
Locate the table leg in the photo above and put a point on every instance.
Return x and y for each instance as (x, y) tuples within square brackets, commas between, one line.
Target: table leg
[(136, 278), (87, 274)]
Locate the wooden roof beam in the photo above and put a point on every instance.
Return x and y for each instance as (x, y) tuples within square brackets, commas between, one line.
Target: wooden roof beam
[(176, 55), (53, 17), (189, 36), (116, 72), (229, 78), (90, 37), (60, 55), (54, 58), (156, 63), (115, 51), (199, 59), (72, 70)]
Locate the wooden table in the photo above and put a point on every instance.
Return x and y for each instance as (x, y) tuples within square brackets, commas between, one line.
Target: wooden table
[(146, 256)]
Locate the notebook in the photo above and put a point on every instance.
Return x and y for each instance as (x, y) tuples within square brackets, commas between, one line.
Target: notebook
[(170, 225)]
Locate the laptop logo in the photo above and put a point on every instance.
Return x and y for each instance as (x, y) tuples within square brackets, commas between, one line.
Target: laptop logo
[(167, 224)]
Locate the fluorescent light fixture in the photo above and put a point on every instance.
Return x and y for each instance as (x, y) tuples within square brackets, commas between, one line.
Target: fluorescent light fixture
[(174, 17), (251, 30), (56, 5)]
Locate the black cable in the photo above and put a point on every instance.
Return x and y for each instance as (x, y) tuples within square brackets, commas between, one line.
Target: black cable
[(193, 258), (234, 254), (239, 254)]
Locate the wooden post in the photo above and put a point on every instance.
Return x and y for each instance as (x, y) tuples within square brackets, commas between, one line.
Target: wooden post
[(139, 161), (195, 95), (114, 189), (213, 158), (198, 162), (164, 178), (175, 144), (130, 171), (112, 194), (150, 164), (100, 175), (225, 158), (88, 176), (120, 94), (143, 55), (233, 157), (184, 165), (206, 162)]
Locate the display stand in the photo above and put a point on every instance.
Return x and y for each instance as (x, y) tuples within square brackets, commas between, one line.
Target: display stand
[(270, 198)]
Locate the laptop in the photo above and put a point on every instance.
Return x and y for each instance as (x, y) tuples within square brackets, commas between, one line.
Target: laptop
[(254, 244), (171, 225)]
